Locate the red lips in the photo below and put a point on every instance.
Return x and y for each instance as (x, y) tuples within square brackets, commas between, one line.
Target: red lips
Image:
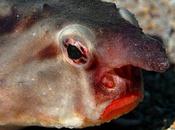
[(121, 106)]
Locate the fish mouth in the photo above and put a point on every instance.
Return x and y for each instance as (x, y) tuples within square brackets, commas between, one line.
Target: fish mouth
[(121, 106), (124, 85)]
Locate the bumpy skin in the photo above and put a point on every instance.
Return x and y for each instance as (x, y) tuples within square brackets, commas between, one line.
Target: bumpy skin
[(41, 85)]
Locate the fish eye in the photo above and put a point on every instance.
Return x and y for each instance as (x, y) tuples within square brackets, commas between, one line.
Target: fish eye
[(77, 43), (73, 52), (128, 16)]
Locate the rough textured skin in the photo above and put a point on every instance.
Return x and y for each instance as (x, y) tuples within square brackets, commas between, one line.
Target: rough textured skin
[(41, 85)]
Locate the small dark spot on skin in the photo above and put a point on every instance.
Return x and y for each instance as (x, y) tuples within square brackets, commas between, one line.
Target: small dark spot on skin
[(7, 23), (50, 51), (171, 31), (46, 7), (2, 82)]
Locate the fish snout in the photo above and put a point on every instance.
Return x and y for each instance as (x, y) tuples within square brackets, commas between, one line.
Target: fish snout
[(133, 47)]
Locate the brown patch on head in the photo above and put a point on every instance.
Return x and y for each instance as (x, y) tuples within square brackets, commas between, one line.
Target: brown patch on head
[(16, 22), (26, 22), (48, 52), (47, 9)]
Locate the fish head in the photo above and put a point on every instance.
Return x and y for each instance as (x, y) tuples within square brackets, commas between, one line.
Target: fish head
[(72, 63)]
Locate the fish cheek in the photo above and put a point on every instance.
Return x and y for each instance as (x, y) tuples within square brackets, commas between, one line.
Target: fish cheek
[(19, 104)]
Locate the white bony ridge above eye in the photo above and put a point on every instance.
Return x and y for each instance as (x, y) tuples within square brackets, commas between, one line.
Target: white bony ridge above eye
[(127, 15)]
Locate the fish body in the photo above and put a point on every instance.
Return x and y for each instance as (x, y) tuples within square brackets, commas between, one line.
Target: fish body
[(67, 63)]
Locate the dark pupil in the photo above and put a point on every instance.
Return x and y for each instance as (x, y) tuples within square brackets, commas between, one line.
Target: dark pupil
[(73, 52)]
